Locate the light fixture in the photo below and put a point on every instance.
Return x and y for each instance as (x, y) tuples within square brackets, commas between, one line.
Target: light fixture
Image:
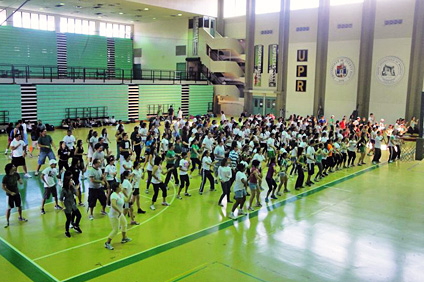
[(179, 15), (154, 18), (62, 4), (121, 13), (146, 9)]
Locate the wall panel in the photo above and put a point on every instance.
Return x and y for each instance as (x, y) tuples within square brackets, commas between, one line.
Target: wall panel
[(86, 51), (200, 97), (158, 94), (10, 100)]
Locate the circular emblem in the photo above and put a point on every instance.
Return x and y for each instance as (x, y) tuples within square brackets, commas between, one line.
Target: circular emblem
[(390, 70), (342, 70)]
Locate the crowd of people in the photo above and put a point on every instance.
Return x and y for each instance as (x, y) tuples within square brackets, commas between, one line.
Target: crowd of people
[(244, 156)]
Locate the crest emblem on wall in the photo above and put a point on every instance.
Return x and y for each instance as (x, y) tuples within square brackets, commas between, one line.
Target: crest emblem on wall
[(390, 70), (342, 70)]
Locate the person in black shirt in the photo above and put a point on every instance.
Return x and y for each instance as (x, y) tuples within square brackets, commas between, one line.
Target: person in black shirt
[(64, 154), (171, 113), (133, 134), (125, 147), (10, 186)]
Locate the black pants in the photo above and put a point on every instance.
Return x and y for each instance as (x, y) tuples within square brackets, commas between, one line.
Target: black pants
[(156, 188), (171, 170), (74, 217), (195, 161), (352, 157), (271, 184), (343, 158), (149, 179), (137, 150), (300, 177), (377, 155), (185, 181), (63, 164), (397, 154), (206, 174), (320, 169), (226, 190)]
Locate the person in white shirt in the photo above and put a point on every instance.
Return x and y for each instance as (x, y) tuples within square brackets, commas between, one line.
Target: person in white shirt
[(206, 172), (49, 177), (310, 160), (184, 165), (180, 113), (69, 140), (158, 183), (136, 178), (223, 117), (116, 215), (208, 142), (127, 189), (18, 149), (225, 174), (377, 153), (240, 192)]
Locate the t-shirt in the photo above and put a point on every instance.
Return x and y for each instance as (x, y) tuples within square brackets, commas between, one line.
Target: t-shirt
[(378, 140), (225, 173), (184, 165), (270, 142), (234, 156), (170, 155), (137, 177), (193, 154), (206, 160), (99, 156), (49, 175), (219, 152), (352, 145), (69, 141), (208, 142), (126, 145), (270, 172), (11, 182), (310, 151), (126, 187), (18, 152), (97, 175), (238, 186), (119, 197), (67, 196), (93, 141), (110, 171), (164, 145), (128, 164), (46, 141)]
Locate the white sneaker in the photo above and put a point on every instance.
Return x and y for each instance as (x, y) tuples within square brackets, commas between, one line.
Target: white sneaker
[(165, 204), (147, 191), (232, 216), (108, 246), (241, 212), (179, 197), (27, 175), (36, 173), (90, 217), (152, 207)]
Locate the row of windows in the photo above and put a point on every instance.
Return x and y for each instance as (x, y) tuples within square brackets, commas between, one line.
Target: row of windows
[(236, 8), (67, 25)]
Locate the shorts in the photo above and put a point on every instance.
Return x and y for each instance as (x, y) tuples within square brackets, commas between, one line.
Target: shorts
[(43, 155), (253, 186), (372, 141), (240, 194), (49, 191), (311, 169), (18, 161), (282, 174), (271, 154), (14, 201), (136, 191), (105, 146), (128, 205), (94, 195)]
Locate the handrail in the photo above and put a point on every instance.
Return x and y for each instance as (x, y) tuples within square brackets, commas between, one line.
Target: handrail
[(20, 71)]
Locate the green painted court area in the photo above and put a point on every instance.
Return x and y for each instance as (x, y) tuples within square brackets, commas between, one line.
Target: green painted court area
[(358, 224)]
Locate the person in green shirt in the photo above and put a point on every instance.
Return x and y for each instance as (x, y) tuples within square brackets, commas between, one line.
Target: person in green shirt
[(194, 156), (170, 159)]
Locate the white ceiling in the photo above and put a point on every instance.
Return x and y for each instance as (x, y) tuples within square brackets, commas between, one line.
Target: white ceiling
[(124, 11)]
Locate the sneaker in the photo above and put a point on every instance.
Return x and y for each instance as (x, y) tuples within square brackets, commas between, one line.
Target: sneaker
[(390, 161), (147, 191), (258, 205), (241, 212), (36, 173), (43, 211), (179, 197), (23, 219), (58, 207), (266, 200), (27, 175), (103, 213), (308, 184), (77, 229), (140, 211), (90, 217), (286, 190), (274, 197), (187, 194), (134, 223), (108, 246), (6, 225), (200, 193), (262, 189), (216, 181), (312, 183), (81, 205), (152, 207), (232, 216), (165, 204), (67, 234), (279, 194), (251, 209), (126, 240), (5, 152), (221, 205)]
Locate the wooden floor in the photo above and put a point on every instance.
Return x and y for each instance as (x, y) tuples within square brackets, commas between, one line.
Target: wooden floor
[(359, 224)]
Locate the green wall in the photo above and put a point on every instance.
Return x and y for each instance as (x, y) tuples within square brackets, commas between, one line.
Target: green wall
[(27, 46), (200, 96), (53, 99), (123, 53), (86, 51), (158, 94), (10, 100)]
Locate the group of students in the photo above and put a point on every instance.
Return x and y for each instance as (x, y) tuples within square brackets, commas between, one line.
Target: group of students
[(238, 154)]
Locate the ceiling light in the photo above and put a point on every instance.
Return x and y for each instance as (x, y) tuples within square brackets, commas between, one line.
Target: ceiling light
[(78, 7), (146, 9), (41, 9), (121, 13), (154, 18), (62, 4), (179, 15)]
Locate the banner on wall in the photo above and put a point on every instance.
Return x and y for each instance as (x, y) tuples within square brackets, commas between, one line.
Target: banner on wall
[(390, 70), (258, 69), (342, 70), (195, 35), (272, 64)]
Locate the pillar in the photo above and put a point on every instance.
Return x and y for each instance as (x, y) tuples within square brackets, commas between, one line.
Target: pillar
[(220, 24), (365, 57), (250, 53), (321, 57), (283, 54)]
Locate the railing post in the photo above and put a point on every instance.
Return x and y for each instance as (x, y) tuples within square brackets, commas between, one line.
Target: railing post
[(51, 74), (153, 76), (83, 74), (44, 74), (73, 74), (26, 73), (104, 75), (123, 76), (13, 73), (132, 74), (160, 75)]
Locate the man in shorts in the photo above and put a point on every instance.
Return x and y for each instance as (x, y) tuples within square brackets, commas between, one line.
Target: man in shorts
[(49, 178), (10, 186), (95, 188), (45, 143), (18, 148)]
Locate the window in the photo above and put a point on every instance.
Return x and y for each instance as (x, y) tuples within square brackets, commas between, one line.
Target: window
[(26, 20), (78, 26), (234, 8), (17, 19), (71, 25), (304, 4), (3, 18), (33, 20), (63, 25), (344, 2), (43, 22), (268, 6), (180, 50), (115, 30), (51, 23)]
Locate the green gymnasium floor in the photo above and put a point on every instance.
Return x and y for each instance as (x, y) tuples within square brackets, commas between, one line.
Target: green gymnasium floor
[(359, 224)]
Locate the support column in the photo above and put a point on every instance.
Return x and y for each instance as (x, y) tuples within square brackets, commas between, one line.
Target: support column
[(416, 65), (321, 58), (283, 55), (250, 52), (220, 24), (365, 57)]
